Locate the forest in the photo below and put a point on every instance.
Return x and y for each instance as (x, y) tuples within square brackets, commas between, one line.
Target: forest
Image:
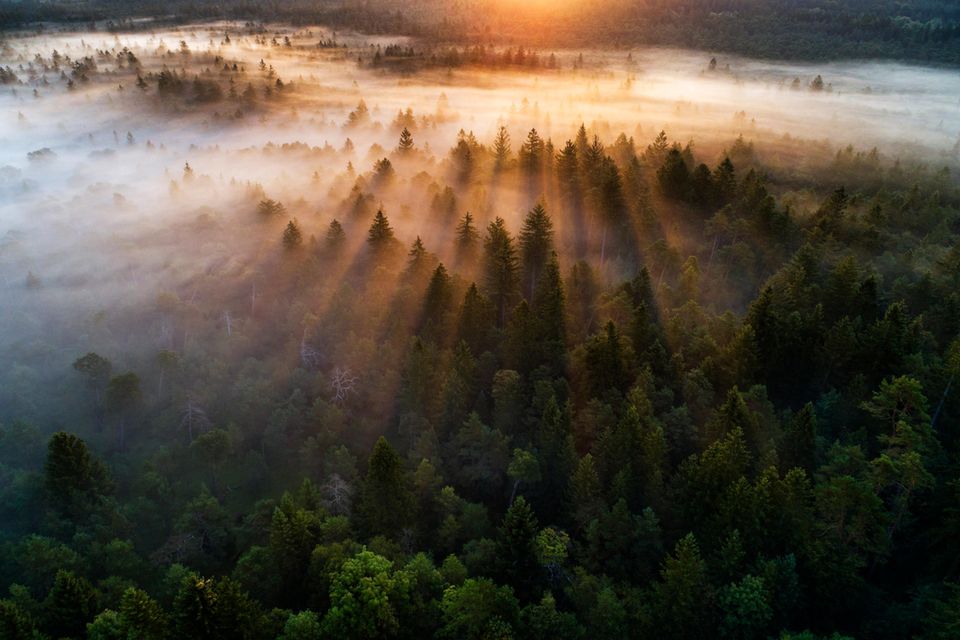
[(926, 31), (306, 334)]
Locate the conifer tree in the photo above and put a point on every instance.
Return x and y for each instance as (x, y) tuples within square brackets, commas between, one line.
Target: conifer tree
[(69, 606), (536, 245), (549, 315), (436, 303), (405, 145), (477, 321), (517, 551), (74, 479), (684, 596), (385, 504), (501, 277), (501, 149), (380, 234), (292, 236), (335, 237)]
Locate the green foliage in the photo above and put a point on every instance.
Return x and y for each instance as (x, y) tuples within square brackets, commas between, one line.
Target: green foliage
[(385, 503), (478, 609), (685, 598), (15, 624), (74, 479), (750, 366), (69, 606)]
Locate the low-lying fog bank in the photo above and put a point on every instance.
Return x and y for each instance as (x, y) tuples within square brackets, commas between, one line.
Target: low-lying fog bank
[(133, 164)]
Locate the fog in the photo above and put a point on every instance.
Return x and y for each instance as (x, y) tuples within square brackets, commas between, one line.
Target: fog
[(98, 216)]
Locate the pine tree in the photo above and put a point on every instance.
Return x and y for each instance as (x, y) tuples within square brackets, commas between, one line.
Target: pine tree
[(501, 149), (70, 605), (436, 303), (554, 440), (549, 315), (586, 492), (467, 234), (611, 204), (380, 234), (269, 207), (536, 245), (406, 141), (477, 321), (605, 362), (501, 278), (517, 551), (724, 182), (417, 255), (684, 597), (656, 152), (335, 237), (15, 623), (673, 175), (568, 178), (799, 448), (74, 479), (292, 236), (582, 141), (141, 616), (531, 157), (194, 613), (385, 504), (383, 172)]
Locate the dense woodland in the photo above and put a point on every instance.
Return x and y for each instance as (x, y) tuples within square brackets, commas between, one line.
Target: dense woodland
[(916, 30), (684, 395)]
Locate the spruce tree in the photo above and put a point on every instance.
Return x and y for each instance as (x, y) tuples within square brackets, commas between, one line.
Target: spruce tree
[(292, 236), (436, 303), (70, 605), (501, 277), (75, 481), (405, 145), (477, 321), (501, 149), (380, 234), (335, 237), (385, 504), (517, 551), (536, 245), (684, 597), (549, 315)]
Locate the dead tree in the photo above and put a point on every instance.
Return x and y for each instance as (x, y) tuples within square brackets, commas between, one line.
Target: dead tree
[(343, 384), (337, 495), (310, 356), (194, 418)]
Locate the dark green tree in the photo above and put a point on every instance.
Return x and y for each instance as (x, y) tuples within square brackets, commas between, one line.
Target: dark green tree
[(74, 479), (501, 269), (70, 605), (517, 550), (684, 597), (385, 504), (673, 176), (536, 246)]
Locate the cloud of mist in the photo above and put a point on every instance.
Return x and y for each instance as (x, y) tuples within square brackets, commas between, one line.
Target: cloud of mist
[(106, 222)]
